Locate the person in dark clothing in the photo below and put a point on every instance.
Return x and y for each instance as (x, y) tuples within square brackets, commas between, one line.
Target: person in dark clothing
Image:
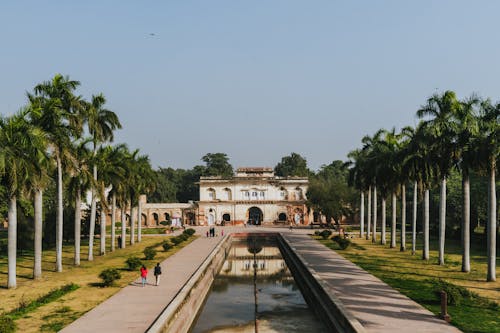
[(119, 242), (157, 273)]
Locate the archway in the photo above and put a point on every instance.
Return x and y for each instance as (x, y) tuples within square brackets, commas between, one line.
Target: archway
[(226, 218), (282, 217), (255, 215), (156, 219), (144, 219), (211, 217), (190, 218)]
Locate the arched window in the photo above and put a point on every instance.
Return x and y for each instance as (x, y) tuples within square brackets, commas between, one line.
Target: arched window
[(282, 217), (283, 193), (211, 194), (298, 193), (227, 194)]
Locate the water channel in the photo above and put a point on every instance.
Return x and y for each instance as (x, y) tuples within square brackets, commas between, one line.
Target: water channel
[(255, 292)]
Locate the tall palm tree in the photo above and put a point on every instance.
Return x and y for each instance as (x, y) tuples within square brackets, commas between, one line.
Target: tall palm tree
[(61, 121), (101, 124), (20, 142), (144, 183), (489, 151), (441, 109), (80, 182), (467, 130)]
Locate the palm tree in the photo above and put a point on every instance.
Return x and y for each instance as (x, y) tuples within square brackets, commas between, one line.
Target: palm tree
[(442, 109), (467, 131), (60, 120), (20, 142), (101, 124), (145, 182), (489, 152), (357, 180), (80, 182)]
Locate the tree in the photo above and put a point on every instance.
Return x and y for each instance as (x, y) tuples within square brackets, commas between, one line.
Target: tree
[(60, 120), (442, 109), (20, 142), (293, 165), (217, 164), (101, 124), (489, 151)]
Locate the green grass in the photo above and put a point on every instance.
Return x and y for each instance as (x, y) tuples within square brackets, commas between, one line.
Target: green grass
[(413, 277)]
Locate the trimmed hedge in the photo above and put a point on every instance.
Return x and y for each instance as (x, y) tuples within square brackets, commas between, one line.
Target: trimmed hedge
[(343, 243), (133, 263), (109, 276), (149, 253)]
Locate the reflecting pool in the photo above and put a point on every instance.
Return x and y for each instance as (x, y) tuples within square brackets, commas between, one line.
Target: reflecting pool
[(255, 288)]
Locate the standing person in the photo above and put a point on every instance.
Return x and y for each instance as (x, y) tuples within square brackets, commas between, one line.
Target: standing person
[(144, 275), (119, 241), (157, 273)]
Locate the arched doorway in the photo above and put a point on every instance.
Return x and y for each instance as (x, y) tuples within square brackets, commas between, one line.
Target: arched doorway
[(156, 219), (211, 217), (255, 215), (282, 217), (226, 218), (190, 218)]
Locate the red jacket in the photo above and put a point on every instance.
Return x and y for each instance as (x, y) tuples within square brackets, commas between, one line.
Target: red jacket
[(144, 272)]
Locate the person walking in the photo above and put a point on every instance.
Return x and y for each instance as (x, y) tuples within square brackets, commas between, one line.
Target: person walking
[(144, 275), (157, 273)]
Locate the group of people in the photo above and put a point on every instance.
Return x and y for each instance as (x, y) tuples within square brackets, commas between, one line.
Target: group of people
[(211, 232), (157, 274)]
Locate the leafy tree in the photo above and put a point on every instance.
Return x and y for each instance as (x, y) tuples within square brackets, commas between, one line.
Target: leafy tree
[(293, 165), (217, 164)]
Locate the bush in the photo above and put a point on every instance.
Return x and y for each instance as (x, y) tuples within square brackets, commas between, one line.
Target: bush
[(7, 324), (109, 276), (343, 243), (164, 223), (166, 246), (184, 237), (176, 240), (133, 263), (325, 234), (456, 294), (190, 232), (317, 233), (149, 253)]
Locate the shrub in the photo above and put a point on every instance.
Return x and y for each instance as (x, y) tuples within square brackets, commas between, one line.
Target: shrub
[(164, 223), (456, 294), (177, 240), (133, 263), (325, 234), (166, 246), (149, 253), (317, 233), (184, 237), (109, 276), (7, 324), (343, 243), (190, 232)]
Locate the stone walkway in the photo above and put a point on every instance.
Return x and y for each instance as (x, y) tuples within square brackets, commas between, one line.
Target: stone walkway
[(134, 308), (378, 307)]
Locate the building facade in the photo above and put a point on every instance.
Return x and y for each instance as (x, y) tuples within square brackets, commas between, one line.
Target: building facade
[(253, 196)]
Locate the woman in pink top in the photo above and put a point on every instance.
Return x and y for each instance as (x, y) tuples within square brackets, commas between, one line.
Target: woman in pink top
[(144, 275)]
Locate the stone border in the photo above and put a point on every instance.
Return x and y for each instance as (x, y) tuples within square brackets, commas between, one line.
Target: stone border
[(318, 293)]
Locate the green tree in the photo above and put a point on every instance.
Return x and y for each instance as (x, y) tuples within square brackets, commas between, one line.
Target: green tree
[(293, 165), (20, 142), (217, 164)]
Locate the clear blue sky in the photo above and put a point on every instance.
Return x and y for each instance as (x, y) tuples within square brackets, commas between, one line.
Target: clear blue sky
[(254, 79)]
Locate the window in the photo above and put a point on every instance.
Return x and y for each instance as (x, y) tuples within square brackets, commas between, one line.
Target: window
[(282, 194), (254, 194), (261, 194), (246, 194), (211, 195)]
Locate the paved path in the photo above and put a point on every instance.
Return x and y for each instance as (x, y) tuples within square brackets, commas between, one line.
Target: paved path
[(378, 307), (134, 308)]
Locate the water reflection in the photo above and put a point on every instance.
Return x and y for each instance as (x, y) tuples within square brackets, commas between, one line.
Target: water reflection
[(234, 301)]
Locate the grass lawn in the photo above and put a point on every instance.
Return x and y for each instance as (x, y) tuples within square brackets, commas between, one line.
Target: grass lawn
[(57, 314), (412, 276)]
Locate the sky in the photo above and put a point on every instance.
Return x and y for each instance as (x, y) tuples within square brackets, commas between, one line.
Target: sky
[(258, 79)]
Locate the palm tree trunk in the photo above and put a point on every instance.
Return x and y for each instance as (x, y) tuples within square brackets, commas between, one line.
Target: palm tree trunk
[(393, 221), (12, 242), (466, 222), (492, 225), (103, 230), (402, 246), (38, 206), (78, 225), (369, 213), (59, 221), (382, 210), (414, 220), (132, 224), (93, 213), (113, 221), (442, 220), (124, 225), (362, 216), (374, 229), (425, 252), (139, 218)]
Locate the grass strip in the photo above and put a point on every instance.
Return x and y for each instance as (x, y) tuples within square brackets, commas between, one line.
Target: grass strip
[(27, 307)]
